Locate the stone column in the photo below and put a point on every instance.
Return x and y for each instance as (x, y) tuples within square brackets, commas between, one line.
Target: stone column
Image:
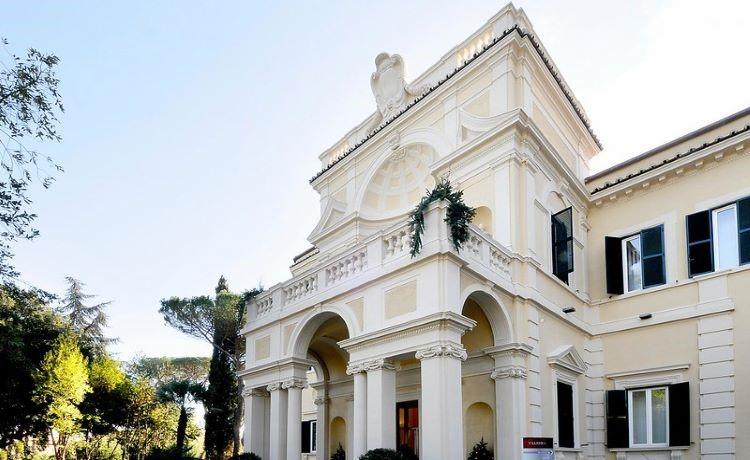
[(294, 388), (277, 429), (442, 412), (359, 416), (510, 398), (254, 438), (381, 404), (321, 436)]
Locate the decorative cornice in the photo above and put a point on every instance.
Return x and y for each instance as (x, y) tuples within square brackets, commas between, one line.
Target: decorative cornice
[(522, 34), (294, 383), (448, 350), (515, 349), (513, 372)]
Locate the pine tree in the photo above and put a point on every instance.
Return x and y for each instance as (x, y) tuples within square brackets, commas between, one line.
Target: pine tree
[(481, 451), (87, 321), (339, 454)]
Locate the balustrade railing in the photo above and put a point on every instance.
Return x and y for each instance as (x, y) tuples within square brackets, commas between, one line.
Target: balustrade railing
[(394, 245)]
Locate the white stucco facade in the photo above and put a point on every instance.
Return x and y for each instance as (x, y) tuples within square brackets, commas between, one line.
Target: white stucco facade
[(485, 342)]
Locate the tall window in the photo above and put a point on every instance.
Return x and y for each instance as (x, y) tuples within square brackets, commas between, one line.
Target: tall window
[(631, 254), (565, 415), (725, 241), (309, 436), (562, 244), (649, 424)]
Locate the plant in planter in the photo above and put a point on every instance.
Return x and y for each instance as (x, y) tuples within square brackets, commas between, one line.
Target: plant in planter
[(339, 454), (458, 217), (481, 451)]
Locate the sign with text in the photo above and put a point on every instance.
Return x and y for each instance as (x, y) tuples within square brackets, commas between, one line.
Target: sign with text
[(538, 449)]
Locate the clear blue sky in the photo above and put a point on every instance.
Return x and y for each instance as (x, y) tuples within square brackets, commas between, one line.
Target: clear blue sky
[(192, 127)]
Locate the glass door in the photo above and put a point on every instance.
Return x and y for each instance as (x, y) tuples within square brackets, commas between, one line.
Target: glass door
[(407, 426)]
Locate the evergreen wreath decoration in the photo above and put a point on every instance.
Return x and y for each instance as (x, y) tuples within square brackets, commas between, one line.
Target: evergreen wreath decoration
[(458, 217), (481, 451)]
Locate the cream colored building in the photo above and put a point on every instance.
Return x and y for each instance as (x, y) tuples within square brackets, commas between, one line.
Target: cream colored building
[(624, 347)]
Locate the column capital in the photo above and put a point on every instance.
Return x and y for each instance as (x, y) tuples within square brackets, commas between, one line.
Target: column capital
[(369, 365), (321, 400), (355, 368), (259, 392), (275, 386), (294, 383), (449, 350), (514, 372)]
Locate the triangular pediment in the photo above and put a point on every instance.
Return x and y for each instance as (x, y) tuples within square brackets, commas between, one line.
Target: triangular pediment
[(567, 357)]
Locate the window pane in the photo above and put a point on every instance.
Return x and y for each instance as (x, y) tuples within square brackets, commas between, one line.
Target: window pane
[(639, 417), (653, 271), (633, 261), (726, 239), (651, 242), (659, 416), (699, 226), (314, 436), (700, 258), (565, 415)]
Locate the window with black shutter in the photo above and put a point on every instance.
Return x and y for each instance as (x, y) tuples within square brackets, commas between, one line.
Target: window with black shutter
[(743, 229), (565, 422), (679, 414), (306, 431), (562, 244), (700, 250), (617, 419), (636, 261)]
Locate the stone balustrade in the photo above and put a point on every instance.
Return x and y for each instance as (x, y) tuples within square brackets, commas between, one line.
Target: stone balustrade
[(380, 249)]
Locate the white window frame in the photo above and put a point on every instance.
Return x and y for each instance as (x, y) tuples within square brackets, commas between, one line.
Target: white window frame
[(649, 425), (715, 236), (624, 242), (313, 436), (571, 379)]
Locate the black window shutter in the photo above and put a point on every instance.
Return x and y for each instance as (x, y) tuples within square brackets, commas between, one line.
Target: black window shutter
[(565, 415), (562, 244), (617, 419), (679, 414), (743, 227), (700, 250), (652, 256), (306, 437), (613, 256)]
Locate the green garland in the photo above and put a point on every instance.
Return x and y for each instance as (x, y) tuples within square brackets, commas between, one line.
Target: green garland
[(458, 217)]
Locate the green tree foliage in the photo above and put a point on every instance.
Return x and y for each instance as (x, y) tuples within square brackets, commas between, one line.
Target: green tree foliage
[(382, 454), (340, 454), (29, 106), (88, 321), (28, 331), (164, 369), (62, 383), (181, 393), (458, 216), (481, 451), (216, 320)]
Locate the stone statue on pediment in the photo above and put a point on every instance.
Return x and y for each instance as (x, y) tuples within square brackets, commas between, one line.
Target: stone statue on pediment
[(389, 87)]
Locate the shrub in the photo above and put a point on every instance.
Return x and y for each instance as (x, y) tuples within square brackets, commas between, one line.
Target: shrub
[(480, 451), (339, 454), (247, 456), (381, 454)]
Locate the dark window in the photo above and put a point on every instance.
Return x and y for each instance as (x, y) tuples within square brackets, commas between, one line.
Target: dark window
[(613, 254), (679, 414), (562, 244), (308, 436), (700, 253), (565, 429)]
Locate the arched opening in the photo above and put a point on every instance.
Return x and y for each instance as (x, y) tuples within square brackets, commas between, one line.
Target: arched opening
[(338, 434), (479, 424), (483, 219), (481, 336), (323, 411), (493, 322)]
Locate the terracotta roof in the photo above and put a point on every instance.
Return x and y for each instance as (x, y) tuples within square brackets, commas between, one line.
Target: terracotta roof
[(670, 144), (507, 32), (691, 151)]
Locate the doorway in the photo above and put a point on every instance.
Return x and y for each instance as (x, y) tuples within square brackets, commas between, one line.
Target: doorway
[(407, 426)]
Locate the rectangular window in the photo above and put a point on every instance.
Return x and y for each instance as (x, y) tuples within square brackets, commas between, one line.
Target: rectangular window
[(725, 247), (562, 244), (635, 262), (309, 436), (649, 423), (565, 415)]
